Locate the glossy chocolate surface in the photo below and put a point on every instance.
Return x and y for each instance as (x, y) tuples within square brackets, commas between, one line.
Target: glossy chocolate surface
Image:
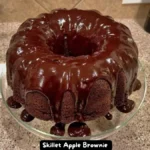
[(58, 129), (78, 129), (67, 50), (13, 104), (127, 107), (137, 85), (109, 116), (25, 116)]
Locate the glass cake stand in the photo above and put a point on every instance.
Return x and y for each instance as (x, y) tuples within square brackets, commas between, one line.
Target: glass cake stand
[(100, 128)]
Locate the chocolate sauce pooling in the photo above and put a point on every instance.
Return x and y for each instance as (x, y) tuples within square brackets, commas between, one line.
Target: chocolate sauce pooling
[(126, 107), (13, 104), (58, 129), (109, 116), (137, 85), (25, 116), (78, 129)]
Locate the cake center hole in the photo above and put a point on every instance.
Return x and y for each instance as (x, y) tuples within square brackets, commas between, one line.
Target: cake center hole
[(73, 45)]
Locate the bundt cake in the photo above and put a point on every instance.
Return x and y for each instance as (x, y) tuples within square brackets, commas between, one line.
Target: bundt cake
[(71, 66)]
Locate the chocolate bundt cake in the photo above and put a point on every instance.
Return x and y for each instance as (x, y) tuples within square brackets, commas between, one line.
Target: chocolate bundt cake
[(71, 65)]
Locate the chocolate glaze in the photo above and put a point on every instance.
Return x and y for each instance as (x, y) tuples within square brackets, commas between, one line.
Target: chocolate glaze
[(137, 85), (108, 116), (13, 104), (78, 129), (25, 116), (66, 50), (58, 129), (98, 46), (127, 107)]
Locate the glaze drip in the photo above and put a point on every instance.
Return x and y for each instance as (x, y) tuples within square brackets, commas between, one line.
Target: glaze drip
[(127, 107), (58, 129), (25, 116), (79, 129), (13, 104), (137, 85), (109, 116)]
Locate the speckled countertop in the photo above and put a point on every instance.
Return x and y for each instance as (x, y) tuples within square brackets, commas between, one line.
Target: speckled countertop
[(135, 136)]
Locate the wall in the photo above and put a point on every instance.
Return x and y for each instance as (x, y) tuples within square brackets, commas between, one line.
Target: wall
[(19, 10)]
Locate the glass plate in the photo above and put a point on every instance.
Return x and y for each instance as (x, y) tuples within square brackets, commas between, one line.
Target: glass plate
[(100, 128)]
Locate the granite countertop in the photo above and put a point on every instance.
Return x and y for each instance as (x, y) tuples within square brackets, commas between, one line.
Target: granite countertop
[(135, 136)]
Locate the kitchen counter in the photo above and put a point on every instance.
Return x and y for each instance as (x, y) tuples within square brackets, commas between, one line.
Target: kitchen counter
[(135, 136)]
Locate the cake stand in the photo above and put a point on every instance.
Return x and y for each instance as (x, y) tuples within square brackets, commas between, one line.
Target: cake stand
[(100, 128)]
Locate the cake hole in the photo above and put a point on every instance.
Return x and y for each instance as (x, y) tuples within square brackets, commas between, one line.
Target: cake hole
[(55, 60), (72, 45)]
